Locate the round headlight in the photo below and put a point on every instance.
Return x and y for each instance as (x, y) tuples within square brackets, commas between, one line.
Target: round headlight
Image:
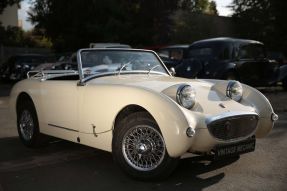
[(234, 90), (186, 96)]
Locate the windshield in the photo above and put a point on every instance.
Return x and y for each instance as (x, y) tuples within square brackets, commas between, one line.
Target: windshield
[(201, 52), (252, 51), (119, 61), (214, 51)]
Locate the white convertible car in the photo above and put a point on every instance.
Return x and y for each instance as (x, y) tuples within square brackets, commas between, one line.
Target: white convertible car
[(125, 101)]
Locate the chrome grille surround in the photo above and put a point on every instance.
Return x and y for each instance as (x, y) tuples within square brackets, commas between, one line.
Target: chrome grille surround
[(232, 126)]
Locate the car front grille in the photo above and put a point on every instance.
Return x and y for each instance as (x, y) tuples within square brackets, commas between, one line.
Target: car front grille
[(233, 127)]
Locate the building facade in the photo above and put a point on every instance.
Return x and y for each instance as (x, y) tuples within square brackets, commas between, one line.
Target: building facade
[(9, 17)]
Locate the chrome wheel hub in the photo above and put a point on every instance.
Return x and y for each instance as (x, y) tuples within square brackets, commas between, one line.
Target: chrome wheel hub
[(26, 125), (143, 147)]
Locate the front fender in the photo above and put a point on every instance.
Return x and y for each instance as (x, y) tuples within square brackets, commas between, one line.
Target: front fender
[(168, 115), (172, 122), (263, 108), (255, 99)]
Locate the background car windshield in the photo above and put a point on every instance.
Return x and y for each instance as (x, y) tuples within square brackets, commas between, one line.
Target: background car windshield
[(213, 52), (252, 51), (201, 52), (101, 61)]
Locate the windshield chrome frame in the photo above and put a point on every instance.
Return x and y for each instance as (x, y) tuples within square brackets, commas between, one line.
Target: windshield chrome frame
[(84, 79)]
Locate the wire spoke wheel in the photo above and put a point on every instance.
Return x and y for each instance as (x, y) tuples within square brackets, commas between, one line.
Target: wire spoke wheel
[(139, 148), (26, 125), (143, 147)]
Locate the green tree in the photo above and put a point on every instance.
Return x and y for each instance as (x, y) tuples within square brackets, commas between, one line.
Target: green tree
[(212, 9), (149, 20), (262, 20), (15, 36), (74, 24), (194, 21), (199, 6)]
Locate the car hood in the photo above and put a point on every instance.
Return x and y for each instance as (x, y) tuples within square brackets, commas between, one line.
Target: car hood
[(156, 83), (210, 94)]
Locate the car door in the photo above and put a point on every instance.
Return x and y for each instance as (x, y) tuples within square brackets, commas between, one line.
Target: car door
[(59, 100)]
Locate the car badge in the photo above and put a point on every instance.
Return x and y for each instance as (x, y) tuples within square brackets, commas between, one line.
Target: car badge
[(227, 126)]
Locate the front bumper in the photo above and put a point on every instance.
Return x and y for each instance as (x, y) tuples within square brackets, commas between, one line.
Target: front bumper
[(235, 149)]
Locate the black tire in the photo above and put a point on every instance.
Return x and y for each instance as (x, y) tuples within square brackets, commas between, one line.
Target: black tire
[(163, 166), (28, 125)]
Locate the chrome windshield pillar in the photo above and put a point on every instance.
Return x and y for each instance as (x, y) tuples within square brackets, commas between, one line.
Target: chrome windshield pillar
[(80, 68)]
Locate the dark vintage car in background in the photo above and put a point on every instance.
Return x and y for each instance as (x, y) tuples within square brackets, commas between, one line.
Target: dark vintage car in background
[(67, 61), (109, 45), (16, 67), (278, 57), (229, 58), (173, 55)]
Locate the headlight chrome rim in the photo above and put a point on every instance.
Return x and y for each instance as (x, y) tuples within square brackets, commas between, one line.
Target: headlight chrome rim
[(179, 96), (234, 90)]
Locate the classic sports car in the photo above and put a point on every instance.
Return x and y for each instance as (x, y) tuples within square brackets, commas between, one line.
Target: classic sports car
[(126, 102)]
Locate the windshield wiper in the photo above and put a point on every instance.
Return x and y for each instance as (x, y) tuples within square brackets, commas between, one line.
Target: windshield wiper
[(152, 68), (125, 65)]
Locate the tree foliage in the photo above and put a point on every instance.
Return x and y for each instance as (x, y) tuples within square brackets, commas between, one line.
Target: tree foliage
[(212, 9), (199, 6), (15, 36), (73, 24), (262, 20)]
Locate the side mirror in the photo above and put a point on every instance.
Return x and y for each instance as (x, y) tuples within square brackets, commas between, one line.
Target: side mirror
[(172, 71)]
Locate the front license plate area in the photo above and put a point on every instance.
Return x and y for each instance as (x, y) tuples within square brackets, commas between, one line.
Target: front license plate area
[(235, 149)]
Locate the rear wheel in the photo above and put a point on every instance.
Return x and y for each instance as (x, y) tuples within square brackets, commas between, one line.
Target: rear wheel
[(27, 124), (139, 148)]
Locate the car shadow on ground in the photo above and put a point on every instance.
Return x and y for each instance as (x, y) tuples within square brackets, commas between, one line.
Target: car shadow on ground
[(63, 165)]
